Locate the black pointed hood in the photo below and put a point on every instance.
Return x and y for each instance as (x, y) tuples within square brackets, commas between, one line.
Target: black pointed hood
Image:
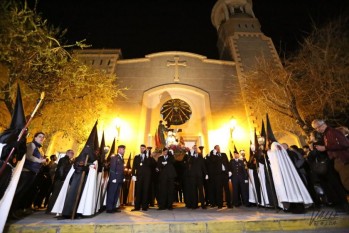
[(89, 146), (263, 133), (255, 138), (10, 135), (93, 138), (270, 135), (112, 149), (128, 164), (18, 118), (235, 150), (96, 146), (101, 148)]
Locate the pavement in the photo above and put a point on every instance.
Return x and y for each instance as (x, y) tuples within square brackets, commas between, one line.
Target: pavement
[(181, 219)]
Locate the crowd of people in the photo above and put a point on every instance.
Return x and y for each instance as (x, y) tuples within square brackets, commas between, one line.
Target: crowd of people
[(85, 185)]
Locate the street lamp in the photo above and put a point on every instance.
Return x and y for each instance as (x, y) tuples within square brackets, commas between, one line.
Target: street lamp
[(117, 126), (232, 127)]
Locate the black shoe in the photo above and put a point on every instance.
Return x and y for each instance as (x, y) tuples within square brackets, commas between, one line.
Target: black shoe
[(145, 209), (213, 206), (135, 209), (110, 211), (15, 216), (203, 207), (63, 217), (161, 208), (220, 207), (117, 210), (170, 208)]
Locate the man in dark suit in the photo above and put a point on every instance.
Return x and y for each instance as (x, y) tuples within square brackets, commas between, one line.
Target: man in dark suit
[(142, 168), (195, 171), (239, 179), (116, 178), (218, 172), (167, 175)]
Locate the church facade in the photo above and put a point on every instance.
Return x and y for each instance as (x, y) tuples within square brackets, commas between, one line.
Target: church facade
[(211, 90)]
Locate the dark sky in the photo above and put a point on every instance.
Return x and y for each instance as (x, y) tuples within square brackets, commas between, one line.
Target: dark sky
[(141, 27)]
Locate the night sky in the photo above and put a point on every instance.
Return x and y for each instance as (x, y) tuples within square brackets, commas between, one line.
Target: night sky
[(141, 27)]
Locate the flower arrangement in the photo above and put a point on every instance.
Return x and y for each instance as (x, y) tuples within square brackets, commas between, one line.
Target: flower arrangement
[(178, 149)]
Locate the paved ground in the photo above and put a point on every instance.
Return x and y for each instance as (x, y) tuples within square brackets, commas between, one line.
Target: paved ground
[(181, 219)]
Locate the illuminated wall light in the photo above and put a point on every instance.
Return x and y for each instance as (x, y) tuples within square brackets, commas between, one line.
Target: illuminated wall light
[(233, 124)]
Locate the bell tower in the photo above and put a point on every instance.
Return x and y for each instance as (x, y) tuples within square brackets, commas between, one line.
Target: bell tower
[(240, 40), (239, 36)]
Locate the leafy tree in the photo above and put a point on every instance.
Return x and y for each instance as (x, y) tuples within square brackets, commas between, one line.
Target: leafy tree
[(32, 53), (313, 83)]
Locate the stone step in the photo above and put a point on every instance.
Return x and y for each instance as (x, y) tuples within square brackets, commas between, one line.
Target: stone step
[(181, 219)]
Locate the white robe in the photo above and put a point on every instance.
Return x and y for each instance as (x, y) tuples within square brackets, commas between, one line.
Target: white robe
[(264, 193), (252, 188), (288, 185), (263, 189), (6, 201), (59, 204), (87, 204)]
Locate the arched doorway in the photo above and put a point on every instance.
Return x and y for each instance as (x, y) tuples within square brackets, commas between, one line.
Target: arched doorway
[(194, 130)]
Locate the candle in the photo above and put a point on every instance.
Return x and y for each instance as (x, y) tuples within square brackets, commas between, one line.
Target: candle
[(149, 140), (200, 141)]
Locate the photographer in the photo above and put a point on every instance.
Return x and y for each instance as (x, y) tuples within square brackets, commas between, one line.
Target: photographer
[(328, 180)]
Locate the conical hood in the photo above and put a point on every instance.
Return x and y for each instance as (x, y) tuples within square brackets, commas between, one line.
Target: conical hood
[(17, 122), (112, 149), (10, 135), (89, 146), (101, 148), (91, 141), (263, 133), (255, 138), (128, 164), (96, 146), (270, 134), (18, 119), (235, 150)]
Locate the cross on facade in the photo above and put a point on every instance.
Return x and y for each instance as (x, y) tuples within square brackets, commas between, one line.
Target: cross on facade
[(176, 63)]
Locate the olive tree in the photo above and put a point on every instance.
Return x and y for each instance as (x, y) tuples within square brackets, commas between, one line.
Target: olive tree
[(313, 83), (33, 54)]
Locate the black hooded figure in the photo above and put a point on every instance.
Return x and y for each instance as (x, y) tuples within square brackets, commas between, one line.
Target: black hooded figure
[(8, 140), (262, 158), (73, 195), (253, 165)]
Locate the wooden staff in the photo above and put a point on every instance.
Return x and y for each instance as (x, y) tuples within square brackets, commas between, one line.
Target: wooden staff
[(22, 132), (79, 190), (272, 190)]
